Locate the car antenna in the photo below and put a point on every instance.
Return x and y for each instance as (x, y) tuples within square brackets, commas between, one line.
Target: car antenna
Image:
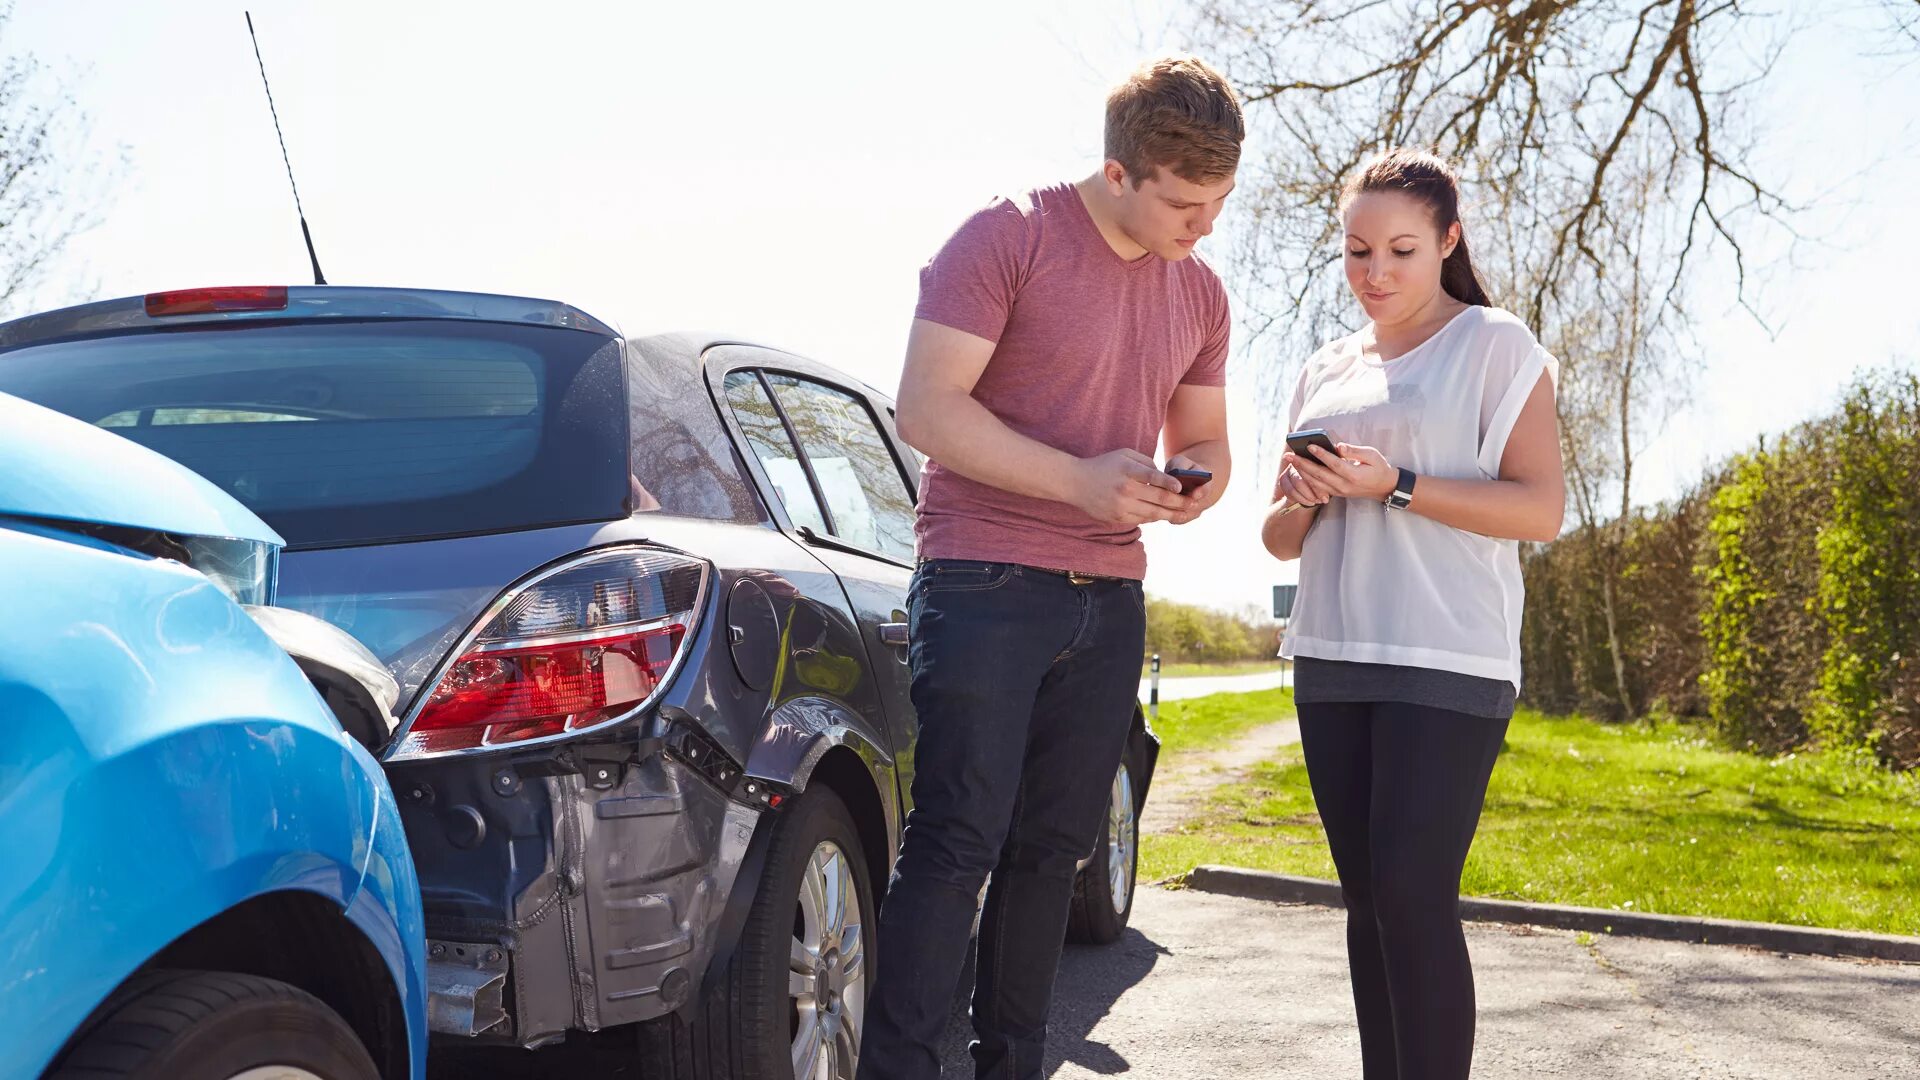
[(304, 231)]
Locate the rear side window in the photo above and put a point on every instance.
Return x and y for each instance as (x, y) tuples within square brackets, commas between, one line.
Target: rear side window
[(760, 422), (347, 433), (857, 473)]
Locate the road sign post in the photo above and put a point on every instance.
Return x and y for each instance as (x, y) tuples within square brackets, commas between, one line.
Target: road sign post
[(1283, 600)]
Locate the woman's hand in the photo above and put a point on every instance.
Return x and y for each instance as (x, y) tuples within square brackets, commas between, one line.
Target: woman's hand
[(1356, 472), (1295, 488)]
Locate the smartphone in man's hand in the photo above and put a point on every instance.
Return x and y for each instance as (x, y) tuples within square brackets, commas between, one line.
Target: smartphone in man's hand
[(1189, 478)]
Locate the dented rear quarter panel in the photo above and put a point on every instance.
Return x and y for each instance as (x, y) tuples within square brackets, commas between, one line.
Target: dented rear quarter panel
[(609, 900)]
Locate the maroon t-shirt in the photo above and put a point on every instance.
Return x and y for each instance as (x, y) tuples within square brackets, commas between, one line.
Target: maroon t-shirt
[(1088, 351)]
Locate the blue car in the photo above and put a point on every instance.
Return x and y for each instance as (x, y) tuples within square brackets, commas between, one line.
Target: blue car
[(203, 872)]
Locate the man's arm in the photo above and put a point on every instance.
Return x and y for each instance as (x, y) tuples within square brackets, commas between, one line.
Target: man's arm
[(936, 414), (1195, 436)]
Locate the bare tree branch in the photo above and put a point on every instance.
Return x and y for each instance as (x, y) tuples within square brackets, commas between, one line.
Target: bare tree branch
[(1906, 19), (47, 186), (1540, 100)]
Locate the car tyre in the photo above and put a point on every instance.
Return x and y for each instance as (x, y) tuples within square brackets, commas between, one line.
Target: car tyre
[(1103, 891), (209, 1025), (792, 1002)]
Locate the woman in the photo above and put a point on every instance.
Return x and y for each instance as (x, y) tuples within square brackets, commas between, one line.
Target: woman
[(1406, 631)]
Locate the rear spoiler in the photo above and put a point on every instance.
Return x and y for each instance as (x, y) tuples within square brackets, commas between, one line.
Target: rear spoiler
[(302, 302)]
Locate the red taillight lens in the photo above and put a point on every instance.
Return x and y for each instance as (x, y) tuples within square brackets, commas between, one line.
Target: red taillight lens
[(209, 301), (502, 696), (581, 646)]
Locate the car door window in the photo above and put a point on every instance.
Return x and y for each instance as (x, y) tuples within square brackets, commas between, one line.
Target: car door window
[(866, 496), (760, 422)]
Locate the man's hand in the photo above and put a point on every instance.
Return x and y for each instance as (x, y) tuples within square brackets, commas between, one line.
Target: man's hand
[(1195, 437), (1202, 496), (1125, 487)]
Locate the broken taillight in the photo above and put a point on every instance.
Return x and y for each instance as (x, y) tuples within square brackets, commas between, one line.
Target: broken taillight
[(586, 644)]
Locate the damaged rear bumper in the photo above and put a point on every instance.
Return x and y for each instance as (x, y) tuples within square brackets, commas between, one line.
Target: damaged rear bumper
[(580, 896)]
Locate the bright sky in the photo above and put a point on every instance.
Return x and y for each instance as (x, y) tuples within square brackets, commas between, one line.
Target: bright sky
[(782, 170)]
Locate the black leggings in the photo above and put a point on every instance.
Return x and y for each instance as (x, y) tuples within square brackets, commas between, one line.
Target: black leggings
[(1399, 789)]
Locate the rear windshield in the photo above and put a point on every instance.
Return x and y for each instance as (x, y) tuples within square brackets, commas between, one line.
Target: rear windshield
[(348, 433)]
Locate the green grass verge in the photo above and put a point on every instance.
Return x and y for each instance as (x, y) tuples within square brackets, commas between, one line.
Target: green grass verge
[(1194, 671), (1627, 817), (1218, 719)]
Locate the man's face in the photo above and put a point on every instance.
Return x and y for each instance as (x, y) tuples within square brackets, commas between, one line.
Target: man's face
[(1166, 214)]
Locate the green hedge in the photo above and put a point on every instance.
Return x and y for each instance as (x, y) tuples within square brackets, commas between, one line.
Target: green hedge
[(1779, 602), (1658, 595), (1763, 634), (1187, 634), (1869, 591)]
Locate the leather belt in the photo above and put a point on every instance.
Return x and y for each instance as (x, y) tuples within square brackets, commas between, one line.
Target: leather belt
[(1076, 577)]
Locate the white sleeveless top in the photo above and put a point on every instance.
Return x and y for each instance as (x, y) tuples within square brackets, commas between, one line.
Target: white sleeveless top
[(1389, 586)]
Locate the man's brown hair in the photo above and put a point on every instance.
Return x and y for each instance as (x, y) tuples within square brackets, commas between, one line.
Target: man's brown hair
[(1178, 112)]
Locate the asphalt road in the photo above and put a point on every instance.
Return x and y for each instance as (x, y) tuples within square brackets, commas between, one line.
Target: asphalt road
[(1201, 686), (1215, 986), (1209, 986)]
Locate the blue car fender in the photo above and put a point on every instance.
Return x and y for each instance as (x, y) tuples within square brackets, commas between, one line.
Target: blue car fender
[(165, 762)]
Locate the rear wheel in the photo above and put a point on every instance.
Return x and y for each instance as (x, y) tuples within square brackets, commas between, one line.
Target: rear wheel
[(793, 1001), (206, 1025), (1103, 892)]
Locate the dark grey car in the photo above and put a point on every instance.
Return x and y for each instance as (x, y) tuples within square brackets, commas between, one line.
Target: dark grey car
[(644, 598)]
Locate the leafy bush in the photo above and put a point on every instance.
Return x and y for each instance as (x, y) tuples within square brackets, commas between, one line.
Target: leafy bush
[(1779, 601), (1185, 633), (1869, 588), (1762, 640)]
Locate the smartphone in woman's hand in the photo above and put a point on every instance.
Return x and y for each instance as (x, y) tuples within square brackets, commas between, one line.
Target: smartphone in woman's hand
[(1299, 441)]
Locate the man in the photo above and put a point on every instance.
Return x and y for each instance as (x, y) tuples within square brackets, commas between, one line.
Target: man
[(1060, 334)]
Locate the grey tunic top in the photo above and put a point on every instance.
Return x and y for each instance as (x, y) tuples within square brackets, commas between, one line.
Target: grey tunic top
[(1321, 682)]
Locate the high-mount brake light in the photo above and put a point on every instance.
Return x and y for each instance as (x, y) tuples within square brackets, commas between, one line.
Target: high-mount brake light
[(214, 301)]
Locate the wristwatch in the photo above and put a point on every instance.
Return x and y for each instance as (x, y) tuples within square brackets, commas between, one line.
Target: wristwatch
[(1401, 496)]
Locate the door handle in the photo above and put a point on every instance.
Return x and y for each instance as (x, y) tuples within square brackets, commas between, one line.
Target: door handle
[(893, 633)]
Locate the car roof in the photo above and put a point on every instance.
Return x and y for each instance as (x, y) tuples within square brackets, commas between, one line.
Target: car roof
[(691, 347)]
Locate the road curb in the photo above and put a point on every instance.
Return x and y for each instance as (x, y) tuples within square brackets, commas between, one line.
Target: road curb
[(1288, 889)]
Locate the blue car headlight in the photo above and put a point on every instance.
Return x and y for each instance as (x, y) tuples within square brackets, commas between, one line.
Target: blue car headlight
[(243, 569)]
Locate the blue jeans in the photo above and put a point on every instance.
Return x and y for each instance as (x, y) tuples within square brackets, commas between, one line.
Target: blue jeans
[(1025, 685)]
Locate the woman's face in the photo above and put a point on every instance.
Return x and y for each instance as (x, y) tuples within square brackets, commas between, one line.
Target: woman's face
[(1393, 254)]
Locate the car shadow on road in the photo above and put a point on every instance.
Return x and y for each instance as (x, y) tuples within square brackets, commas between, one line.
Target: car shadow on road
[(1092, 979)]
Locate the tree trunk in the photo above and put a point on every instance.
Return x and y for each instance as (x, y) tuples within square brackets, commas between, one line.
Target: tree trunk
[(1613, 644)]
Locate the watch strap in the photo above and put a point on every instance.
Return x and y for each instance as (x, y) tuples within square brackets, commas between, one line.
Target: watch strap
[(1401, 496)]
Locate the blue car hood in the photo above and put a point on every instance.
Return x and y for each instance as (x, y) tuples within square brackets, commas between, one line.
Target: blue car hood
[(58, 467)]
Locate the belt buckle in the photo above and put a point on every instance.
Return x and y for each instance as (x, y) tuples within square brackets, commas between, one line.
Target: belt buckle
[(1078, 578)]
